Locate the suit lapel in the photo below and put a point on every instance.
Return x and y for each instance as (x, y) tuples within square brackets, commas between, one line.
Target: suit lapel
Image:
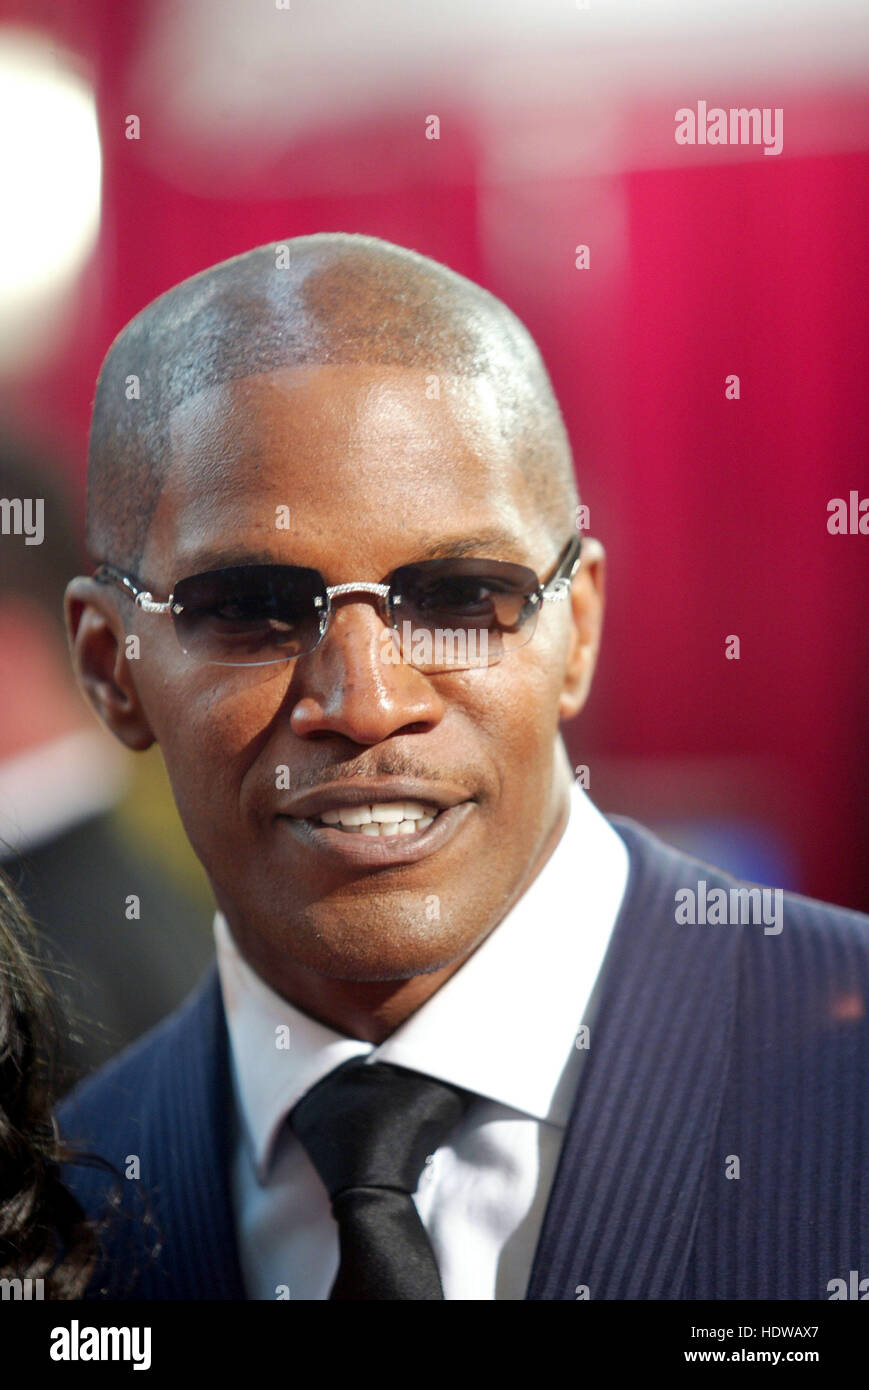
[(624, 1202), (192, 1142)]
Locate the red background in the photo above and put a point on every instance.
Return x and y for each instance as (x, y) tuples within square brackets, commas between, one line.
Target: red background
[(713, 512)]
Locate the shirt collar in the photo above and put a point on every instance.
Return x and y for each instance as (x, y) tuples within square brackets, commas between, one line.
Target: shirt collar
[(504, 1026)]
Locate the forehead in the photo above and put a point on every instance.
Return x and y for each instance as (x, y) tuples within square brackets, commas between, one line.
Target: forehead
[(350, 451)]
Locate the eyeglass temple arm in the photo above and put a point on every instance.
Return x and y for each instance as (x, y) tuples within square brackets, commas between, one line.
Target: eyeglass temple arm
[(558, 587), (107, 574)]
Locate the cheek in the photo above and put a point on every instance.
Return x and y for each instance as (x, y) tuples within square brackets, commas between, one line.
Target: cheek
[(513, 709), (209, 736)]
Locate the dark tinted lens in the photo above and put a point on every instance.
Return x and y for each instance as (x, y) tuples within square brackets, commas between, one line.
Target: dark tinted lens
[(454, 614), (249, 615)]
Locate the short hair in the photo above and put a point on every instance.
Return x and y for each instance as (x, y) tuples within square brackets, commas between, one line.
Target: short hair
[(312, 300)]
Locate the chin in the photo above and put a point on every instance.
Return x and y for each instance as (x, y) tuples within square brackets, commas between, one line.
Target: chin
[(363, 951)]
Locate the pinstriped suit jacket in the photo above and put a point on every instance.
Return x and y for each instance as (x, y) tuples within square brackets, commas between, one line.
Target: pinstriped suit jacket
[(718, 1145)]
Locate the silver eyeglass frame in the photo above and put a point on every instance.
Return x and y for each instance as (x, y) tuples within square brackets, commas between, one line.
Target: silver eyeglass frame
[(554, 590)]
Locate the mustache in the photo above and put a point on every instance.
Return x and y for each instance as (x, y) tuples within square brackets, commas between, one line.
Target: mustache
[(391, 766)]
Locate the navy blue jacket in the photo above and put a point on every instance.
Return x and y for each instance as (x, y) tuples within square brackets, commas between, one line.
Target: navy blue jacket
[(718, 1144)]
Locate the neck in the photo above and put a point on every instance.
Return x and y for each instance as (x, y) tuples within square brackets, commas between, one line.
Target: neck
[(368, 1010)]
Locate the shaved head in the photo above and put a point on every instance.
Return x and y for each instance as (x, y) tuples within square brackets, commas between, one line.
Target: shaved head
[(319, 300)]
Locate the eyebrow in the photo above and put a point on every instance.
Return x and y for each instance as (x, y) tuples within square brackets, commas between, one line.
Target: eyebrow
[(471, 545), (483, 545), (203, 561)]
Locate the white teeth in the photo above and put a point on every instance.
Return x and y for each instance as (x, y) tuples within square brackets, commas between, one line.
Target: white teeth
[(382, 813), (388, 811), (355, 815), (383, 829)]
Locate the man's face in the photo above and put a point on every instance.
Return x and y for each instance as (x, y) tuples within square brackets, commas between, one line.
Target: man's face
[(375, 474)]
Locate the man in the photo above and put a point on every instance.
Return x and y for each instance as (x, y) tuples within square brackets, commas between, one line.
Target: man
[(338, 582)]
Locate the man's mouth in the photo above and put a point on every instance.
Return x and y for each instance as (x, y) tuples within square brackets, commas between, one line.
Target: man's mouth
[(372, 825), (377, 833), (380, 818)]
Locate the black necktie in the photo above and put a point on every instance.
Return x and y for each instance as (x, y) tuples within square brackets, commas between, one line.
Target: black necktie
[(368, 1129)]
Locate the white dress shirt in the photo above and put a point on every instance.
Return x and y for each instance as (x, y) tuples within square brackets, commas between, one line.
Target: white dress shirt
[(504, 1027)]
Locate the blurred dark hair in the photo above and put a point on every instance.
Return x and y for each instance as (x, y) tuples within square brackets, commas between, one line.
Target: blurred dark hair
[(43, 1231)]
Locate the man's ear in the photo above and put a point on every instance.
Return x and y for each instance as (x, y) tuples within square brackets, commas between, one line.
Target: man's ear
[(99, 657), (587, 604)]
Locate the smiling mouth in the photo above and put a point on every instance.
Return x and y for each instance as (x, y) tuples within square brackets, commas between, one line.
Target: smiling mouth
[(381, 819), (379, 834)]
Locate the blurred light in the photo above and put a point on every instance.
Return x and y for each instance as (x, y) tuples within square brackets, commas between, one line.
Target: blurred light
[(49, 184), (564, 85)]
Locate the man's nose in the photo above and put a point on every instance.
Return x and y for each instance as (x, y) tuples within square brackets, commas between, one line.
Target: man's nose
[(347, 687)]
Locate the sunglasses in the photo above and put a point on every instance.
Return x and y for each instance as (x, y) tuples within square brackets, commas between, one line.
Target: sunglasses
[(440, 615)]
